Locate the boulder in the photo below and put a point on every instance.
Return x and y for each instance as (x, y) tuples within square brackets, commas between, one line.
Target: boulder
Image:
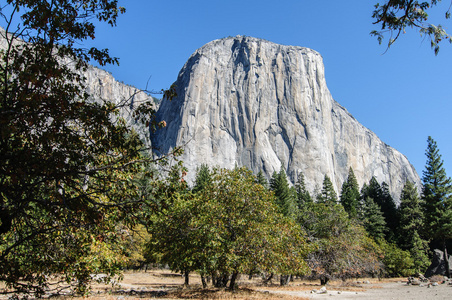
[(438, 266)]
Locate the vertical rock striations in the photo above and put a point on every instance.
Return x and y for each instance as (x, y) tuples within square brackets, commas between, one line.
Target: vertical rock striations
[(251, 102)]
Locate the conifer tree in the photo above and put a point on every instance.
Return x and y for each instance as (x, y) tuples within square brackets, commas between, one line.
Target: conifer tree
[(437, 199), (350, 194), (260, 178), (389, 209), (372, 219), (203, 178), (303, 196), (280, 186), (411, 224), (328, 194)]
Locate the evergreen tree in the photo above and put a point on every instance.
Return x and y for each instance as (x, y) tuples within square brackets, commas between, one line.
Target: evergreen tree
[(328, 194), (350, 194), (203, 178), (411, 224), (303, 196), (280, 186), (372, 218), (389, 209), (260, 179), (437, 199)]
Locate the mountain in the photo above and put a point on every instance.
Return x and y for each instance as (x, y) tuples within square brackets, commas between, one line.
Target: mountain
[(247, 101)]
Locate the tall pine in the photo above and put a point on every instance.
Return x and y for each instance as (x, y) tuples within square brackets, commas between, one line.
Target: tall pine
[(284, 198), (437, 199), (328, 194), (410, 227), (350, 194)]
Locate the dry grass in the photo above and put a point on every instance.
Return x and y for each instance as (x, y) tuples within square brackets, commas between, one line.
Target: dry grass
[(164, 284)]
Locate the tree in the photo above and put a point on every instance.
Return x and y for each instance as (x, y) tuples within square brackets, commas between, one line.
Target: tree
[(328, 194), (302, 194), (389, 209), (437, 197), (284, 198), (260, 178), (203, 178), (65, 160), (350, 194), (411, 225), (342, 248), (395, 16), (372, 219), (231, 226)]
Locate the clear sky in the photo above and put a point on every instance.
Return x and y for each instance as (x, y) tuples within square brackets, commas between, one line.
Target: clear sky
[(403, 95)]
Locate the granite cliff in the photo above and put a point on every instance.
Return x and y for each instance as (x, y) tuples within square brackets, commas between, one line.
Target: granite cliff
[(247, 101)]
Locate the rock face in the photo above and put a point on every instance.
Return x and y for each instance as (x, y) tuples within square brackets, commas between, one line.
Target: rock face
[(246, 101), (438, 266)]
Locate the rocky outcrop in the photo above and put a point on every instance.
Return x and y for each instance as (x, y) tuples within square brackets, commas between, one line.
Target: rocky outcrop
[(246, 101)]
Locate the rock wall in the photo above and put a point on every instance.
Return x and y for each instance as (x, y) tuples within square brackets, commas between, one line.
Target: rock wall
[(246, 101)]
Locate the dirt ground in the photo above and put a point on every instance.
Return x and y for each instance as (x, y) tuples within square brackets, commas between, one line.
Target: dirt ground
[(163, 284)]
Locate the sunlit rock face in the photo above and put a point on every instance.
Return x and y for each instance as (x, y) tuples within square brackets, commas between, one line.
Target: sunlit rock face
[(249, 102)]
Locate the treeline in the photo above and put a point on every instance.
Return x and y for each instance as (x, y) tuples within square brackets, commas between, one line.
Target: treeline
[(234, 222)]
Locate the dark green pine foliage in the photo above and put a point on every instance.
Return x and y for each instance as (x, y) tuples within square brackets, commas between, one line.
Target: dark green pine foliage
[(372, 218), (410, 227), (284, 198), (203, 178), (328, 194), (437, 199), (389, 209), (302, 194), (260, 179), (350, 194)]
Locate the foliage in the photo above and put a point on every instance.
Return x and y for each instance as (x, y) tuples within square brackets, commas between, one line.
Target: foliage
[(411, 225), (350, 194), (231, 226), (202, 179), (284, 197), (260, 178), (437, 199), (372, 219), (302, 194), (66, 161), (343, 248), (397, 262), (396, 16), (328, 194)]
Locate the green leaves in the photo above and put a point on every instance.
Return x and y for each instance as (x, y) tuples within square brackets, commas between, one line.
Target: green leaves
[(395, 16), (230, 225)]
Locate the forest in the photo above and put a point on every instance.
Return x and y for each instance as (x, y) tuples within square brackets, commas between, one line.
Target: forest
[(80, 194)]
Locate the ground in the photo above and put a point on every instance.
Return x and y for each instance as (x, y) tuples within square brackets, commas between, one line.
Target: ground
[(163, 284)]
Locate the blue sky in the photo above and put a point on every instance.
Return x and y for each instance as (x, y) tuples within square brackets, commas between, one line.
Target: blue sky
[(403, 95)]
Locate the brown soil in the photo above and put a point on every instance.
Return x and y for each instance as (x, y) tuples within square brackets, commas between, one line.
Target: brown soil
[(163, 284)]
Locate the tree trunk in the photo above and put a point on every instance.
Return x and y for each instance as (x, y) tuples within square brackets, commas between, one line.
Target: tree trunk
[(266, 281), (284, 280), (204, 282), (233, 280), (222, 281), (186, 283), (324, 280)]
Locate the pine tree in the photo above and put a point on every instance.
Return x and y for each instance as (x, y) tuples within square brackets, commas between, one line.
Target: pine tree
[(203, 178), (303, 196), (260, 179), (389, 209), (411, 224), (372, 218), (280, 186), (350, 194), (437, 199), (328, 194)]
